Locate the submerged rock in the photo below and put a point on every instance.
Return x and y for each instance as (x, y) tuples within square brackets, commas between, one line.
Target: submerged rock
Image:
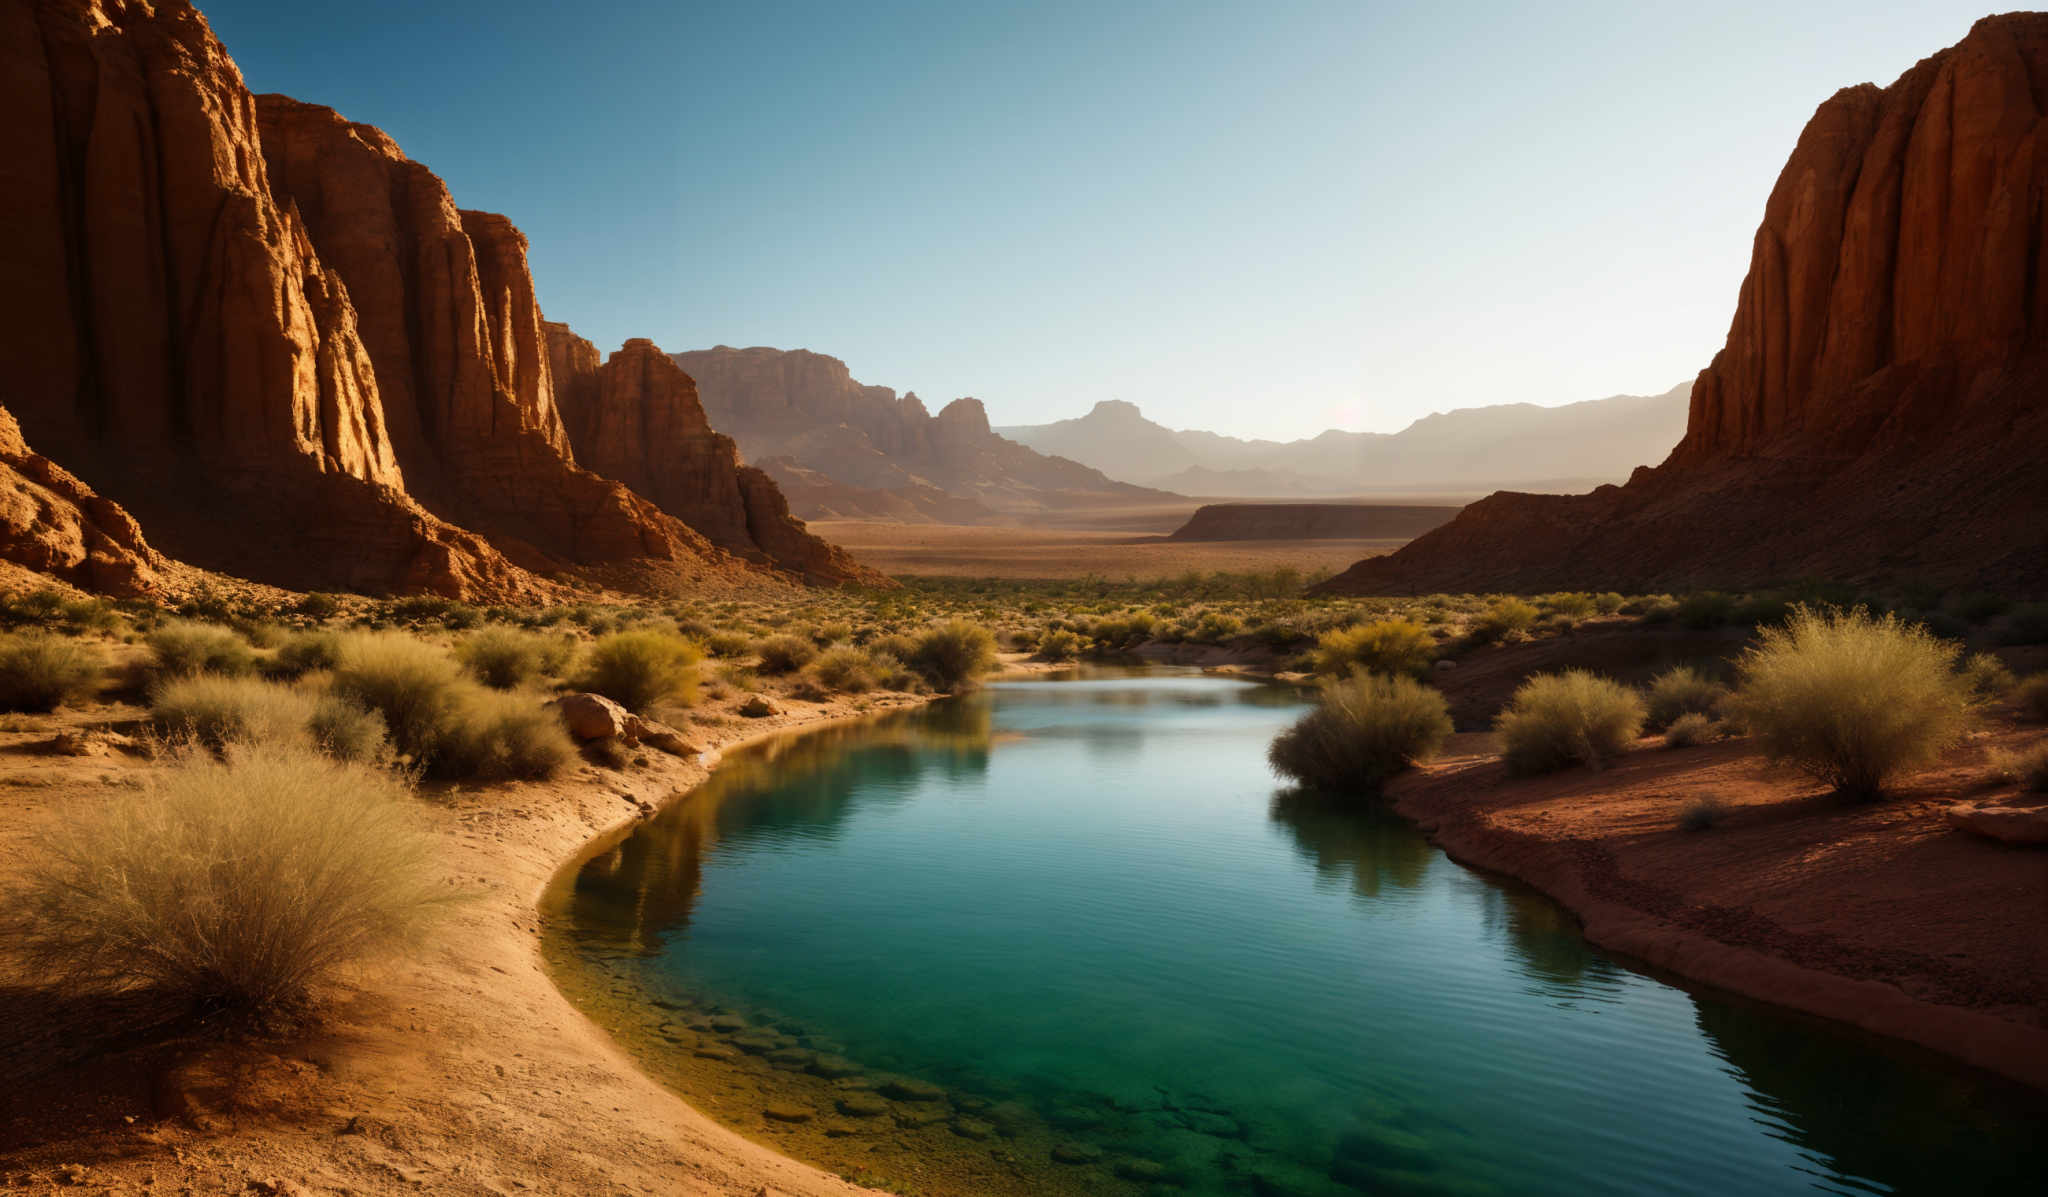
[(912, 1089), (1076, 1153)]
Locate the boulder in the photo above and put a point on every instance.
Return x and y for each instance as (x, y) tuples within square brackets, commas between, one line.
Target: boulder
[(592, 716), (658, 735), (2006, 824)]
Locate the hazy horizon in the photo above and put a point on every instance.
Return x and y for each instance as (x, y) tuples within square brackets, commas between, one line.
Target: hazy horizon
[(1326, 217)]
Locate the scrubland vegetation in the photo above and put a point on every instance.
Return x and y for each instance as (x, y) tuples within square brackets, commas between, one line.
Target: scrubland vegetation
[(1573, 718), (1366, 728)]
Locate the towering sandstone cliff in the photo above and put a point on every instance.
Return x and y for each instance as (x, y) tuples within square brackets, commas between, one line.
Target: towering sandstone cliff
[(277, 341), (1880, 409), (636, 418)]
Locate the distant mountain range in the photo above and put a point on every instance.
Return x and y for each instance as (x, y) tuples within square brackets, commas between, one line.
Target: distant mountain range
[(1507, 446), (844, 449)]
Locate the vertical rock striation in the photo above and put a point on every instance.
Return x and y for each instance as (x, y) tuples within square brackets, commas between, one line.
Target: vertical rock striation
[(1877, 412)]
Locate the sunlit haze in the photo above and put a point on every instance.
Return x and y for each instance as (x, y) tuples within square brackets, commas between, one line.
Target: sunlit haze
[(1260, 219)]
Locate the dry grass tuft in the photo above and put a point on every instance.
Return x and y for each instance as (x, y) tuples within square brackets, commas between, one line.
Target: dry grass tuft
[(641, 668), (1366, 729), (40, 671), (1386, 646), (234, 883), (1557, 720)]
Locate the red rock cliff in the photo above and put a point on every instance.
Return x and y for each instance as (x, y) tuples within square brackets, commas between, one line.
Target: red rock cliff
[(169, 329), (1877, 412), (636, 418)]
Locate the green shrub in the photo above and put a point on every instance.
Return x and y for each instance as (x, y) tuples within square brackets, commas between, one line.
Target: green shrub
[(1570, 607), (785, 653), (217, 711), (182, 648), (412, 685), (1987, 677), (845, 668), (1561, 719), (319, 606), (953, 654), (1691, 730), (507, 658), (1608, 603), (1059, 645), (1701, 814), (2027, 768), (40, 671), (2033, 696), (1366, 729), (727, 645), (1504, 619), (1682, 691), (1215, 627), (346, 731), (232, 883), (829, 634), (1850, 698), (1388, 646), (496, 736), (305, 652), (641, 668)]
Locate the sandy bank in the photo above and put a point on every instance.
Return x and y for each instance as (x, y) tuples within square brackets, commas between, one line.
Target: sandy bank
[(1879, 915)]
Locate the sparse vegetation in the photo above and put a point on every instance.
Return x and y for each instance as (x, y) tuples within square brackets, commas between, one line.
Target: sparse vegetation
[(2027, 768), (41, 671), (1366, 729), (846, 669), (952, 654), (506, 658), (1557, 720), (182, 648), (1506, 619), (638, 669), (785, 654), (234, 883), (1678, 691), (1691, 730), (411, 684), (1385, 646), (305, 652), (1987, 677), (216, 711), (2033, 696), (1851, 698), (496, 736)]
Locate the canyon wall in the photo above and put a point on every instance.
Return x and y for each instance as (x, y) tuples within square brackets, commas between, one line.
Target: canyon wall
[(275, 339), (1877, 412)]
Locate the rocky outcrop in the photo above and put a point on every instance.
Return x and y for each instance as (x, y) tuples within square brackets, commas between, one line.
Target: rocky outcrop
[(636, 418), (55, 525), (1310, 521), (806, 409), (169, 330), (460, 355), (1876, 412)]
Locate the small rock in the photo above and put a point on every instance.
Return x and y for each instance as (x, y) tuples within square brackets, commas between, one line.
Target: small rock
[(724, 1055), (728, 1022), (1134, 1169), (861, 1105), (787, 1113), (905, 1088), (758, 707), (755, 1045), (916, 1117), (968, 1128), (591, 716), (832, 1067), (1076, 1153), (657, 735)]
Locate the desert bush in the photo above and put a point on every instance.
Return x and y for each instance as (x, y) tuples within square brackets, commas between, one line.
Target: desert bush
[(1851, 698), (492, 735), (1561, 719), (2033, 696), (1214, 627), (318, 605), (829, 634), (233, 883), (1365, 729), (641, 668), (1987, 677), (1387, 646), (2027, 768), (1701, 814), (1681, 690), (507, 658), (1570, 607), (954, 653), (1503, 619), (182, 648), (1691, 730), (41, 671), (845, 668), (303, 653), (728, 645), (1059, 644), (345, 731), (412, 685), (1608, 603), (216, 711), (785, 653)]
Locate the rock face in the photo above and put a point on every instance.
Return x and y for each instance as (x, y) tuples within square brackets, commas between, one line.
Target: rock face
[(1877, 410), (1310, 521), (55, 525), (275, 339), (806, 411), (169, 329), (457, 344), (636, 418)]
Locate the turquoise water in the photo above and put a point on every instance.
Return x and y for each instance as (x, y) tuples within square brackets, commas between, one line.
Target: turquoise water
[(1086, 900)]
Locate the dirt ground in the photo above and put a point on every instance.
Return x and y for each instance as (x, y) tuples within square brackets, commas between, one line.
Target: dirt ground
[(1880, 915), (1046, 551)]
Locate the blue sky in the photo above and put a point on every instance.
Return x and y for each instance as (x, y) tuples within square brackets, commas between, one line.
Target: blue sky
[(1265, 219)]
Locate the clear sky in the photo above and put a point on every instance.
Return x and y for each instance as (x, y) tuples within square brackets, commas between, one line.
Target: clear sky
[(1261, 218)]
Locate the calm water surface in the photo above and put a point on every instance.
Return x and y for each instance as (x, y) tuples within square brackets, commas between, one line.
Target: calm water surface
[(1086, 899)]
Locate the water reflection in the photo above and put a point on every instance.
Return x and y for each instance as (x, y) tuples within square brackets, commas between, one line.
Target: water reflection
[(1548, 948), (1374, 848)]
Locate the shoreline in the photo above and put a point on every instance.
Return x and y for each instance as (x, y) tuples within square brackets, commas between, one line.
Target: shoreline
[(1590, 872)]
